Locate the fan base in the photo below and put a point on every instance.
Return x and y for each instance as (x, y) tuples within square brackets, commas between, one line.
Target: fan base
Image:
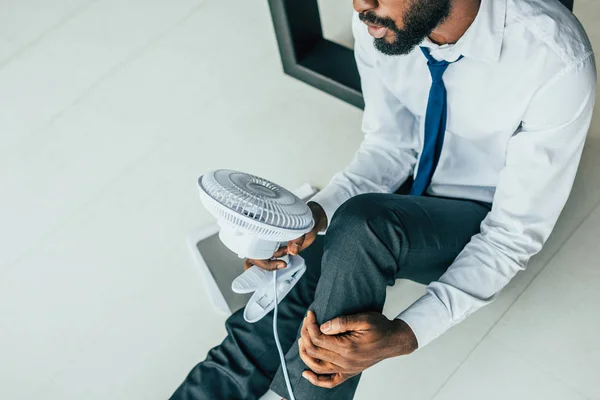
[(247, 245), (260, 282)]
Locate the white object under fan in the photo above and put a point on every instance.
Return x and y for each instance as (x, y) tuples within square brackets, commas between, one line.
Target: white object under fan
[(256, 217)]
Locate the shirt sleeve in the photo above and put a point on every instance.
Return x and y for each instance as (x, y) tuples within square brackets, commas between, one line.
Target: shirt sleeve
[(388, 153), (533, 187)]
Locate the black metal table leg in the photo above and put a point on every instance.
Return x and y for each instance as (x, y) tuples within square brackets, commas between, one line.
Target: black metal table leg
[(307, 56)]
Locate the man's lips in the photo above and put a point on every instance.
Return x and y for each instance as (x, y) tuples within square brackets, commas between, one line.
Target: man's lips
[(376, 31)]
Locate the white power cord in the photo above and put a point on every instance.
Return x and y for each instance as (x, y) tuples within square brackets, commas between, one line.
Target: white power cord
[(281, 356)]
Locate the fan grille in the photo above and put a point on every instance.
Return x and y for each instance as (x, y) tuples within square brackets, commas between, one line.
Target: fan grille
[(255, 205)]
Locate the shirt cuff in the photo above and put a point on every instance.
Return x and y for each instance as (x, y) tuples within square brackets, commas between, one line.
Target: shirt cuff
[(330, 199), (428, 318)]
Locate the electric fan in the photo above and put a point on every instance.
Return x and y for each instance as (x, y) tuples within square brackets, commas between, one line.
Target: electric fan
[(255, 217)]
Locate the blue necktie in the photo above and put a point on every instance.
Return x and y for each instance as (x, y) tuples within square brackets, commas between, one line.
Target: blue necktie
[(435, 125)]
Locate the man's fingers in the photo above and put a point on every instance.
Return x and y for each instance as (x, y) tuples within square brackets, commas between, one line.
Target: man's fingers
[(318, 338), (309, 346), (282, 251), (294, 246), (316, 365), (345, 323), (268, 265), (324, 381), (319, 353), (318, 380)]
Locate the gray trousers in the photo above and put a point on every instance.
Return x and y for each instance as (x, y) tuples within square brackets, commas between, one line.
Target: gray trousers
[(372, 240)]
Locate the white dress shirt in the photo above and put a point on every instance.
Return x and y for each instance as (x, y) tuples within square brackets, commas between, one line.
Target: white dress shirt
[(519, 107)]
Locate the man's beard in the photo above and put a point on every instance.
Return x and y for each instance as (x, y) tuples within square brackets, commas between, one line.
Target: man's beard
[(420, 20)]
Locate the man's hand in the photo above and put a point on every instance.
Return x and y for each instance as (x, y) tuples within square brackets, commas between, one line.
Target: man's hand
[(293, 246), (345, 346)]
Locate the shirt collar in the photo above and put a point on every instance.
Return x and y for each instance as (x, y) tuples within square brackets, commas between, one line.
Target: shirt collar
[(483, 40)]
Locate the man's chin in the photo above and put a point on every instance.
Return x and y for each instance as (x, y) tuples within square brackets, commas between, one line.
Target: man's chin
[(395, 48)]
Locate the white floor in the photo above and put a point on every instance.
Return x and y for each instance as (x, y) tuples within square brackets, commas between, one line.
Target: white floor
[(110, 110)]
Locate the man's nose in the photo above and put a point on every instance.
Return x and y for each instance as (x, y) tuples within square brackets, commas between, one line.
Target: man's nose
[(365, 5)]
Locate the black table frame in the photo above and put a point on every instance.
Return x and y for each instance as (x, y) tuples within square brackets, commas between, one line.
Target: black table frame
[(309, 57)]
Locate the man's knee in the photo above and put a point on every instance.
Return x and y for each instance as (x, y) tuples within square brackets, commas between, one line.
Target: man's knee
[(369, 223), (361, 214), (363, 248)]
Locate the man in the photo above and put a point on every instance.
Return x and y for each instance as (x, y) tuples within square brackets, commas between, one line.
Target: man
[(486, 104)]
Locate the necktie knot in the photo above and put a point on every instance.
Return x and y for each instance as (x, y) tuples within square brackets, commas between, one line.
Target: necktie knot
[(436, 68)]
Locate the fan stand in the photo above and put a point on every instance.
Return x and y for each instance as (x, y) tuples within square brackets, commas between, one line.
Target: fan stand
[(260, 282)]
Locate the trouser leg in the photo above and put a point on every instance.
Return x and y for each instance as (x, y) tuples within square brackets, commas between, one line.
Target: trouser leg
[(244, 364), (372, 240)]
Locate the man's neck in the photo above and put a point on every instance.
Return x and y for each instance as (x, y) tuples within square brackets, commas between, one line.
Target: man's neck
[(461, 17)]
